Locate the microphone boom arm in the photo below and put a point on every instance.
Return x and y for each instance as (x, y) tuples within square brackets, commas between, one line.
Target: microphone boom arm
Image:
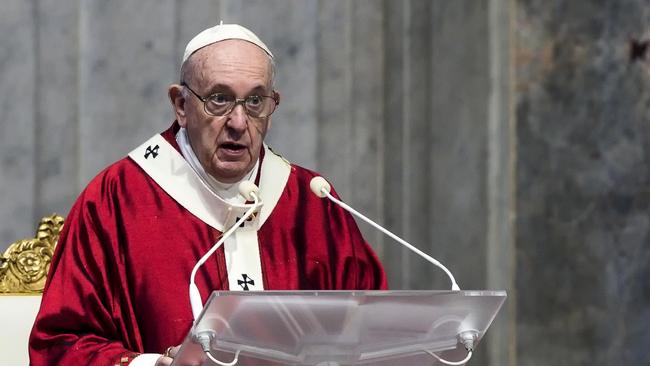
[(454, 285)]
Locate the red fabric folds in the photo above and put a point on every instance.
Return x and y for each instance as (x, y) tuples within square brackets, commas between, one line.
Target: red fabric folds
[(118, 281)]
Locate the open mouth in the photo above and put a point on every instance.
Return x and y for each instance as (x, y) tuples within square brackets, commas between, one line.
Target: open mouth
[(233, 146)]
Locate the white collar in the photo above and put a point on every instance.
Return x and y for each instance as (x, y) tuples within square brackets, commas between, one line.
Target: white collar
[(228, 191), (171, 171)]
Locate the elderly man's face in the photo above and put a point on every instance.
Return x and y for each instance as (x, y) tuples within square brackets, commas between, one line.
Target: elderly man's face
[(227, 146)]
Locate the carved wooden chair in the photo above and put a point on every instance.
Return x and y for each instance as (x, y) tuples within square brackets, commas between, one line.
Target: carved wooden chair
[(23, 270)]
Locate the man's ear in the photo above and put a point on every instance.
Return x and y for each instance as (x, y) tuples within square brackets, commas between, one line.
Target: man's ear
[(175, 93), (276, 96)]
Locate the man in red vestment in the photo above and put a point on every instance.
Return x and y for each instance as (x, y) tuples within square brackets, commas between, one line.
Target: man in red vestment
[(117, 288)]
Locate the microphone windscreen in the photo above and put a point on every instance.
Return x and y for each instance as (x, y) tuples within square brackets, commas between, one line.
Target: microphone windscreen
[(246, 188), (319, 186)]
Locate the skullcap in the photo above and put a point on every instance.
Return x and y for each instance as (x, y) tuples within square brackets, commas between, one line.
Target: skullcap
[(219, 33)]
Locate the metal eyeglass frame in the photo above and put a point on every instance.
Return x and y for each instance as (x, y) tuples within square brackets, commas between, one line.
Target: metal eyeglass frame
[(237, 101)]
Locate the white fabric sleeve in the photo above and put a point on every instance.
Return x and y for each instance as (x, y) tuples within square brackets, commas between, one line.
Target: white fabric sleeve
[(146, 359)]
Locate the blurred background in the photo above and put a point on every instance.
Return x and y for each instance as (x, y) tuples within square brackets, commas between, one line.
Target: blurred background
[(507, 138)]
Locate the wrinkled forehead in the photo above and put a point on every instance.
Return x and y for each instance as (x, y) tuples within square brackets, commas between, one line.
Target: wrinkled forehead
[(228, 61)]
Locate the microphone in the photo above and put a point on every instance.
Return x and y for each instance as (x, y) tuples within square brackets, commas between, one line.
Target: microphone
[(250, 191), (322, 189), (320, 186)]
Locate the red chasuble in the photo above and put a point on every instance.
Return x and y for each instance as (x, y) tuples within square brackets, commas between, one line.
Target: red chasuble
[(118, 282)]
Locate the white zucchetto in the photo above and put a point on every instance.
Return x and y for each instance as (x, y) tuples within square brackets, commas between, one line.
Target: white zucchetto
[(222, 32)]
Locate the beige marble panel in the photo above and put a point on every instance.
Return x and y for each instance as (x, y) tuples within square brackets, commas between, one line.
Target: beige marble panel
[(395, 129), (193, 16), (56, 135), (459, 143), (127, 60), (334, 96), (18, 52), (288, 27), (350, 84), (500, 252), (367, 112)]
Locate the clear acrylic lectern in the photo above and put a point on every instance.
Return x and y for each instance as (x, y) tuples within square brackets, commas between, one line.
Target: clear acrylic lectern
[(329, 328)]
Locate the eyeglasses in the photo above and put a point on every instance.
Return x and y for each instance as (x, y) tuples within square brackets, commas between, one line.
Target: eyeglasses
[(219, 104)]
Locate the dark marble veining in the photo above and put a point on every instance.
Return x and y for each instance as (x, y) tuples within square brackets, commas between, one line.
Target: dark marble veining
[(583, 183)]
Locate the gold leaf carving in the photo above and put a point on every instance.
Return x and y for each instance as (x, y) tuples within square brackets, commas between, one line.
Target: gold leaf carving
[(25, 264)]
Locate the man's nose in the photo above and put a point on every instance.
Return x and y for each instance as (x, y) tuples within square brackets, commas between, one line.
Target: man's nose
[(238, 119)]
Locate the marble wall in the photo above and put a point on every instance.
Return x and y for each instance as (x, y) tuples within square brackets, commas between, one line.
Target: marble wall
[(505, 137), (583, 177)]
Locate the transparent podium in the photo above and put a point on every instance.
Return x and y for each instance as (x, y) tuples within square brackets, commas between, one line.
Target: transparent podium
[(330, 328)]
